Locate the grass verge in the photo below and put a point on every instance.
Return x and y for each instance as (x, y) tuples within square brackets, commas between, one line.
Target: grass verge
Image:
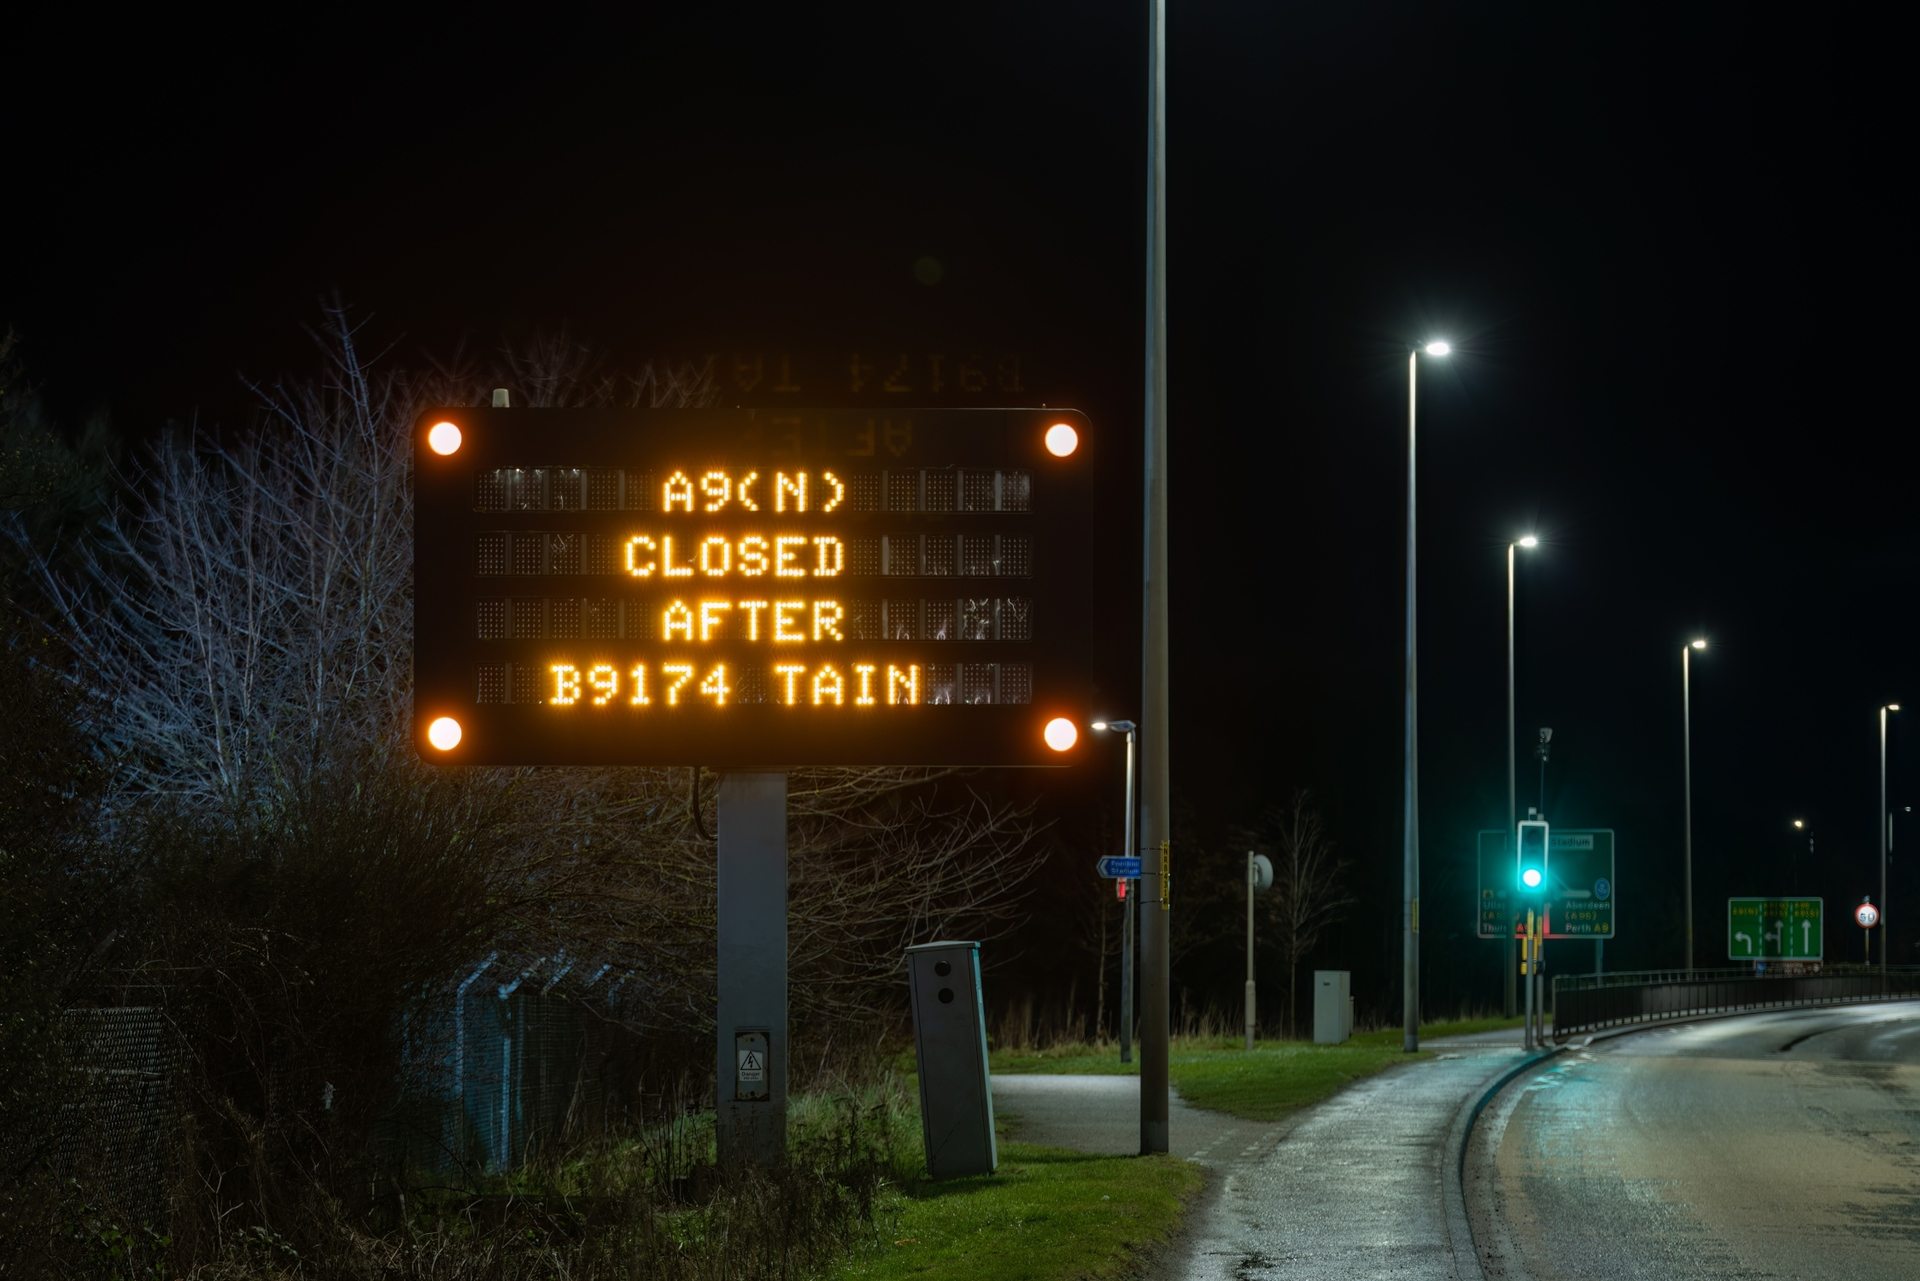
[(1044, 1214), (1274, 1079)]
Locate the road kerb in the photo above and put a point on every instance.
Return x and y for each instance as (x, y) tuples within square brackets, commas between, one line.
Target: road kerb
[(1466, 1258)]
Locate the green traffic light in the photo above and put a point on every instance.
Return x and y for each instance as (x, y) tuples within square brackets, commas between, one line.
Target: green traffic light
[(1531, 878)]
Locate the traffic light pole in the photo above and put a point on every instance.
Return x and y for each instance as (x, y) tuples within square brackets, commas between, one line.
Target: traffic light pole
[(1532, 843), (1529, 1038)]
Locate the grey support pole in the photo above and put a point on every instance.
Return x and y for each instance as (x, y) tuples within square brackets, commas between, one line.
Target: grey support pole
[(1686, 751), (1155, 789), (1886, 823), (1129, 909), (1510, 949), (1410, 798), (1250, 991), (750, 1078)]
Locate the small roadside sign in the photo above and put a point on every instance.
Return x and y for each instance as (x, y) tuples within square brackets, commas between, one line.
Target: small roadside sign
[(1868, 915), (1765, 929), (1117, 865)]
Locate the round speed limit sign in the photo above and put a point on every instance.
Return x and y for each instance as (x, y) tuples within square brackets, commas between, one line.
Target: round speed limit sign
[(1868, 915)]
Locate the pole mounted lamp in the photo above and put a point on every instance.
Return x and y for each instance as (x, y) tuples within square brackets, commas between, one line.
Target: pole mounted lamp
[(1528, 541), (1410, 907), (1686, 748), (1259, 877), (1886, 832), (1126, 908)]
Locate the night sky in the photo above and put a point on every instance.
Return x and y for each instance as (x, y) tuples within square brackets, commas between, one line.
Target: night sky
[(1668, 247)]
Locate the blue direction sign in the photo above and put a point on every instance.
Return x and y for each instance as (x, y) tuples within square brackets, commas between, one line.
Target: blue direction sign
[(1115, 866)]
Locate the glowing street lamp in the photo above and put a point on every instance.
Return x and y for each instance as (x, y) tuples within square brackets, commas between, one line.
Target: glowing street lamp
[(1686, 742), (1528, 541), (1410, 781)]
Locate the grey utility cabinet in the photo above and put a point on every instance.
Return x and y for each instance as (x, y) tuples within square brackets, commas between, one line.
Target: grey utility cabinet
[(1332, 1006), (950, 1045)]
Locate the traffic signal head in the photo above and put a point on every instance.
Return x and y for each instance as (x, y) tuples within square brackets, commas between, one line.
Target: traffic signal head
[(1533, 857)]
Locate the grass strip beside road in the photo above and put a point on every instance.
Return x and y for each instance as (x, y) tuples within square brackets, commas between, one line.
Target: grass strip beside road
[(1274, 1080), (1046, 1214)]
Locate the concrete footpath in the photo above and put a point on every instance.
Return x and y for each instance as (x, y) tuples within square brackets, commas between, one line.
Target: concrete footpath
[(1356, 1187)]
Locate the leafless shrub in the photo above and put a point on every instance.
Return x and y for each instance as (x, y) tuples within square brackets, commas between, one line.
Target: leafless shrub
[(240, 630)]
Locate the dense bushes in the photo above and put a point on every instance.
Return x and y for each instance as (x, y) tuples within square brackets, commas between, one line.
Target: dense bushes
[(212, 809)]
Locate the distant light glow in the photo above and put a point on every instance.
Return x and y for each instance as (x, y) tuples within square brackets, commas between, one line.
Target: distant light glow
[(1061, 734), (1529, 540), (443, 438), (444, 733), (1062, 439), (1439, 348), (1532, 878), (1799, 823)]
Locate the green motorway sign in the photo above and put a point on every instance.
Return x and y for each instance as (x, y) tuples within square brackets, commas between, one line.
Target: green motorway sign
[(1580, 889), (1761, 929)]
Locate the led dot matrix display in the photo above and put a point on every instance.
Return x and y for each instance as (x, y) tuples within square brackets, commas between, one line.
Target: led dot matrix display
[(756, 589)]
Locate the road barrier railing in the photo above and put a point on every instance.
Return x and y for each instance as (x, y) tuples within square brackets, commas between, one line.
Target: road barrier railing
[(1593, 1002)]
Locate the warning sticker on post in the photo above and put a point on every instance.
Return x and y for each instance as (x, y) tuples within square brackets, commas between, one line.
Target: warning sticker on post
[(751, 1080)]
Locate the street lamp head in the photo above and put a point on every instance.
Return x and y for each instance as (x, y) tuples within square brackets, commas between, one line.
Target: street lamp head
[(1439, 347), (1700, 643), (1528, 540), (1799, 824), (1119, 727), (1893, 707)]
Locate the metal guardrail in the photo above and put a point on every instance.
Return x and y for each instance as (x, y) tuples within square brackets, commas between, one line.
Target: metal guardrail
[(1591, 1002)]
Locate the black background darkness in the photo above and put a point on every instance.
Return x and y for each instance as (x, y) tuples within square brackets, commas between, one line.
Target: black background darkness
[(1667, 242)]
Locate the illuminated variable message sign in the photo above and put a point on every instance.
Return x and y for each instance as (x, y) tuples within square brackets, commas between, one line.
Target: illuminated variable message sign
[(745, 588)]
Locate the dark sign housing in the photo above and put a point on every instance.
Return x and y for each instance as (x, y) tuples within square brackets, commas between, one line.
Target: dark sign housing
[(753, 588)]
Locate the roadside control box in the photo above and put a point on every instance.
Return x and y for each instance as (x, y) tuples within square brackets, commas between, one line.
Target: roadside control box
[(950, 1046), (1332, 1006)]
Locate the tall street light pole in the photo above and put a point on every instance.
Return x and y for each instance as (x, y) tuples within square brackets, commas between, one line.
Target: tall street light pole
[(1128, 850), (1686, 747), (1511, 945), (1410, 801), (1800, 825), (1155, 775), (1886, 825)]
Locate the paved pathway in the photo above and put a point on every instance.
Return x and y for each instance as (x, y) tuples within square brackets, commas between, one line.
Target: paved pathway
[(1351, 1189)]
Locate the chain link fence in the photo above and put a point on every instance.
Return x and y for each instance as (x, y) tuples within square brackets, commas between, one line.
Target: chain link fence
[(521, 1052)]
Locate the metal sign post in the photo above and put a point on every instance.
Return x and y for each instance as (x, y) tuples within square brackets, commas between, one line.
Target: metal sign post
[(1259, 877), (1869, 916), (751, 1076)]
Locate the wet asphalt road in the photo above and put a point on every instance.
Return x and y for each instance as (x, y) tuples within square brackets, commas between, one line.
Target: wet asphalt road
[(1779, 1145), (1349, 1190)]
